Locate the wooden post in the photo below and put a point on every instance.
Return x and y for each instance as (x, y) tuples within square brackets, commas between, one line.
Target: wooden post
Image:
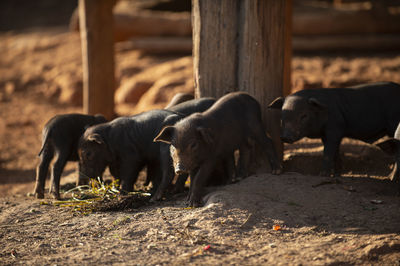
[(262, 57), (288, 43), (97, 40), (243, 45), (214, 46)]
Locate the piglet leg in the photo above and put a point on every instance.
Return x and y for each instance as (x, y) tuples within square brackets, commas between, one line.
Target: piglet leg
[(129, 175), (42, 170), (268, 148), (331, 151), (201, 178), (167, 176), (179, 185), (58, 167)]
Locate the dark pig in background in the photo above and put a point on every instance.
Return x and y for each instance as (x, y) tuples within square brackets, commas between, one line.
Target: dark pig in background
[(366, 112), (60, 137), (126, 145), (201, 140), (179, 98), (392, 147), (193, 106)]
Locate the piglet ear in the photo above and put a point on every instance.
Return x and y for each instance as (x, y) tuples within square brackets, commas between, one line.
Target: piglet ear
[(165, 135), (172, 119), (206, 134), (316, 103), (100, 118), (96, 138), (277, 103), (390, 146)]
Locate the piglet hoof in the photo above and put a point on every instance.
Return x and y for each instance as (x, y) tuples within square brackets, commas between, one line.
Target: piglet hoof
[(154, 199), (277, 171), (178, 189), (323, 173), (55, 195), (195, 203), (327, 173), (82, 182), (39, 195), (123, 192)]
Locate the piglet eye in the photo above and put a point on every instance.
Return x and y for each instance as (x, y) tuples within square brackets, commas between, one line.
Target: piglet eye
[(303, 117), (89, 155), (193, 145)]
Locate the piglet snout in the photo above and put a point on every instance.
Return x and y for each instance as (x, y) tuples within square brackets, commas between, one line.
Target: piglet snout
[(286, 139), (179, 169)]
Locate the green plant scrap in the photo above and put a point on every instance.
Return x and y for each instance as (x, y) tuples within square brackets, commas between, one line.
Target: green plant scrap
[(100, 196)]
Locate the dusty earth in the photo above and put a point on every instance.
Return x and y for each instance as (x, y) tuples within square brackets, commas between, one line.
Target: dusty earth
[(354, 221)]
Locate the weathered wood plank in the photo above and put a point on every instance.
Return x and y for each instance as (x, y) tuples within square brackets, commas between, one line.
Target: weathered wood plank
[(356, 42), (330, 22), (214, 46), (97, 40), (287, 71), (158, 45), (261, 63)]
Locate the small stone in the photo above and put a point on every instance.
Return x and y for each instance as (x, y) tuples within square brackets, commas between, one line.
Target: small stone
[(34, 211), (44, 245), (151, 245), (9, 88), (374, 201)]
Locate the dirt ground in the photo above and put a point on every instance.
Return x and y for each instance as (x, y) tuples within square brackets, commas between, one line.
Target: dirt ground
[(355, 221)]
